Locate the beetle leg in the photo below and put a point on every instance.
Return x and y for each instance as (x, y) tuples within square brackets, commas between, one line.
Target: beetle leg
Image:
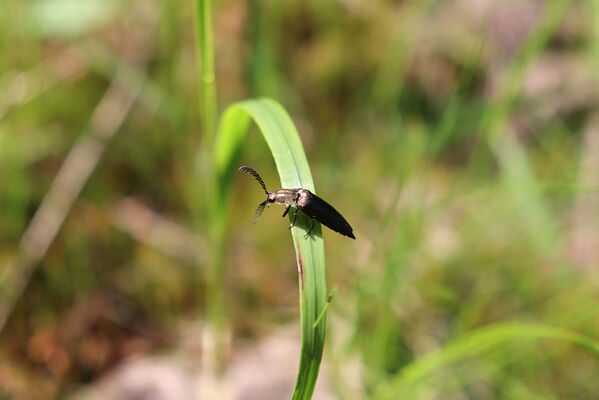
[(312, 227), (286, 210), (294, 217)]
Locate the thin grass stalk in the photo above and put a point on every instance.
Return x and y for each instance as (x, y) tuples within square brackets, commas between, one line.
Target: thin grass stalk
[(215, 300), (204, 42)]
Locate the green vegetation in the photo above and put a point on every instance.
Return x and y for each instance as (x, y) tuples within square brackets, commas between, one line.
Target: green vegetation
[(286, 148), (458, 138)]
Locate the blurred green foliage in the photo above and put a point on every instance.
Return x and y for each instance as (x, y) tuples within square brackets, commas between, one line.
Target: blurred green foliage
[(459, 138)]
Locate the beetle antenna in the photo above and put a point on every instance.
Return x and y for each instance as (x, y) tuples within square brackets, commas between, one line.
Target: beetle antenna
[(259, 210), (255, 175)]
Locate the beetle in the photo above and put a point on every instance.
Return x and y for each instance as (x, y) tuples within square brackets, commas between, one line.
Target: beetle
[(306, 201)]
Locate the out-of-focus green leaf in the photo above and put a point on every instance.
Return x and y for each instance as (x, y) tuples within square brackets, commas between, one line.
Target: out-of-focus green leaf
[(65, 18), (408, 382)]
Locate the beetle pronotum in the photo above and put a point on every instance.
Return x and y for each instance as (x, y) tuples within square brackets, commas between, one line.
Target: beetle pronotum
[(309, 203)]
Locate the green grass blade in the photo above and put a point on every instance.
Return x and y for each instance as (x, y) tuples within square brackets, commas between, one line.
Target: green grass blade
[(409, 381), (287, 150), (206, 67)]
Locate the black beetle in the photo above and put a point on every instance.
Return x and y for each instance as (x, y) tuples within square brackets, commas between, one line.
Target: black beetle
[(312, 205)]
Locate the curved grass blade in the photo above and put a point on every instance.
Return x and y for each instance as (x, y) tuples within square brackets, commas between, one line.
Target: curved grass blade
[(410, 381), (287, 150)]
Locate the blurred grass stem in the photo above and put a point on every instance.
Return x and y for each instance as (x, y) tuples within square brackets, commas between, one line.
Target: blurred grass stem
[(204, 42), (215, 273), (76, 169)]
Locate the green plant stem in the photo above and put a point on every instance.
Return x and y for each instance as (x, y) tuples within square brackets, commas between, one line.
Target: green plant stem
[(215, 276), (207, 77)]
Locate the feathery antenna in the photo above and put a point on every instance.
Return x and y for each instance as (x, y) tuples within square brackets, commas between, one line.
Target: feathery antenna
[(255, 175), (259, 210)]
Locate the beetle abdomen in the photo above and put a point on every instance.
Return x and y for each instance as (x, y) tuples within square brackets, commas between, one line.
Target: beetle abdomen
[(323, 212)]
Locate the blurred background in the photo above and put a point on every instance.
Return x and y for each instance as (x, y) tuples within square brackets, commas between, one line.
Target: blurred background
[(460, 138)]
